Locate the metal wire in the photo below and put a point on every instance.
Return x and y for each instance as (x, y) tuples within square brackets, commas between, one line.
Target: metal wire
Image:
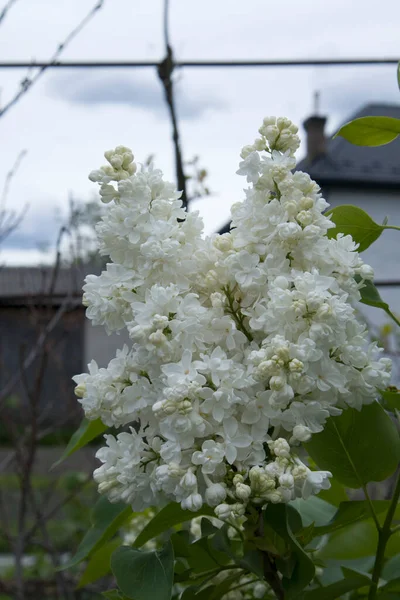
[(202, 63)]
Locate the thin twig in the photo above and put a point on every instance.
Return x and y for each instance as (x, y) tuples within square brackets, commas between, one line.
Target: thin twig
[(62, 588), (12, 382), (28, 82), (165, 71), (51, 513), (9, 219), (5, 10)]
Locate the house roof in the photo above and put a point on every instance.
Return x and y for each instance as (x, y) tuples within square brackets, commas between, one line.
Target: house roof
[(22, 283), (346, 164)]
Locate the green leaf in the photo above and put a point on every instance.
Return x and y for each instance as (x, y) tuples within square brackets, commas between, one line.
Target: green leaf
[(314, 510), (391, 399), (202, 557), (181, 542), (252, 561), (168, 517), (87, 431), (143, 575), (370, 131), (221, 543), (306, 534), (207, 528), (277, 517), (335, 495), (351, 512), (270, 542), (113, 595), (99, 564), (358, 540), (224, 587), (351, 220), (106, 519), (392, 586), (371, 297), (353, 580), (194, 592), (391, 569), (357, 446)]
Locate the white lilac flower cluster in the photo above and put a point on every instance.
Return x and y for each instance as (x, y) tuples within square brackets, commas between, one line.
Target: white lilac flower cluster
[(242, 344)]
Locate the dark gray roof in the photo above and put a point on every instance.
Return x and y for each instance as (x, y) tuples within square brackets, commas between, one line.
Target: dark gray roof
[(346, 164), (34, 282)]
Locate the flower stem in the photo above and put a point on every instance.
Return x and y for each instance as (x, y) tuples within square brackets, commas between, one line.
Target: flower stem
[(384, 534), (236, 314)]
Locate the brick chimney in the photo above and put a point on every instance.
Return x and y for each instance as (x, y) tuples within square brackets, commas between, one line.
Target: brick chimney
[(316, 140)]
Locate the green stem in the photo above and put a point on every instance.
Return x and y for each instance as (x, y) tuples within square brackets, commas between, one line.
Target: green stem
[(391, 227), (395, 319), (371, 508), (384, 535)]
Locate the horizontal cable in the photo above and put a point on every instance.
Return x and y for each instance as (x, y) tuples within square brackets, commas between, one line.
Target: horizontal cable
[(201, 63), (387, 283)]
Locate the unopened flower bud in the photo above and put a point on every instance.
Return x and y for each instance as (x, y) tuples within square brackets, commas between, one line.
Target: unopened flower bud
[(301, 433), (306, 203), (223, 511), (296, 366), (277, 383), (80, 390), (280, 447), (286, 480), (366, 272), (189, 481), (305, 218), (215, 494), (243, 491), (237, 479), (223, 242), (157, 338)]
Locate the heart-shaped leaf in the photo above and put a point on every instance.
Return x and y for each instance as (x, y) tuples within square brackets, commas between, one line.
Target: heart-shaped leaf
[(144, 575), (351, 220), (357, 446)]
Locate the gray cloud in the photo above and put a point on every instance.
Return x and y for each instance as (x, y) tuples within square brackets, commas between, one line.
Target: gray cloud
[(137, 91), (39, 227), (346, 91)]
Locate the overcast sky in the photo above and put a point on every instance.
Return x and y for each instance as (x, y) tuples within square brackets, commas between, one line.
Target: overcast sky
[(71, 116)]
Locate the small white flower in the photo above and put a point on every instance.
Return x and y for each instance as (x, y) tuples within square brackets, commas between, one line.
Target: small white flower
[(211, 455)]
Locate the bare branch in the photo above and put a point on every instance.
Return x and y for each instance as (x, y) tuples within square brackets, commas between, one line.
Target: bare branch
[(28, 82), (5, 10), (68, 303), (165, 71), (10, 219)]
